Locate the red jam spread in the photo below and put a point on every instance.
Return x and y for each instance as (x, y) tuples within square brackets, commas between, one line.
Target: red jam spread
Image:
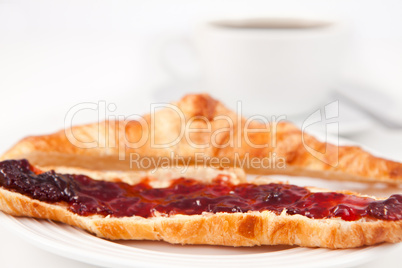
[(86, 196)]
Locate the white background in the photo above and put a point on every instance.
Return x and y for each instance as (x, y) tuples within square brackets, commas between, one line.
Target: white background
[(55, 54)]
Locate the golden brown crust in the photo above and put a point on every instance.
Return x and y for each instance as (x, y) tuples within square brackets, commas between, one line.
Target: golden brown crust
[(236, 229), (113, 142)]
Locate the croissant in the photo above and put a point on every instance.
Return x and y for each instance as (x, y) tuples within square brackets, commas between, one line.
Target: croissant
[(204, 206), (199, 130)]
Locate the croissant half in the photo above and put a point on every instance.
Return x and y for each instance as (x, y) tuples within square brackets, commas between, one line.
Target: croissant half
[(201, 130), (248, 228)]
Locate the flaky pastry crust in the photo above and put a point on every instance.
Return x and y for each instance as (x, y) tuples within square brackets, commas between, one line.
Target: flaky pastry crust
[(206, 132)]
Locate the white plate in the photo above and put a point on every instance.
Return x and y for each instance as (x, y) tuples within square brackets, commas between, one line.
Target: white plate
[(76, 244)]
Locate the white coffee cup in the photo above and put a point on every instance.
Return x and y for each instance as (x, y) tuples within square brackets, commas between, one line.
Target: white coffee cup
[(274, 66)]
